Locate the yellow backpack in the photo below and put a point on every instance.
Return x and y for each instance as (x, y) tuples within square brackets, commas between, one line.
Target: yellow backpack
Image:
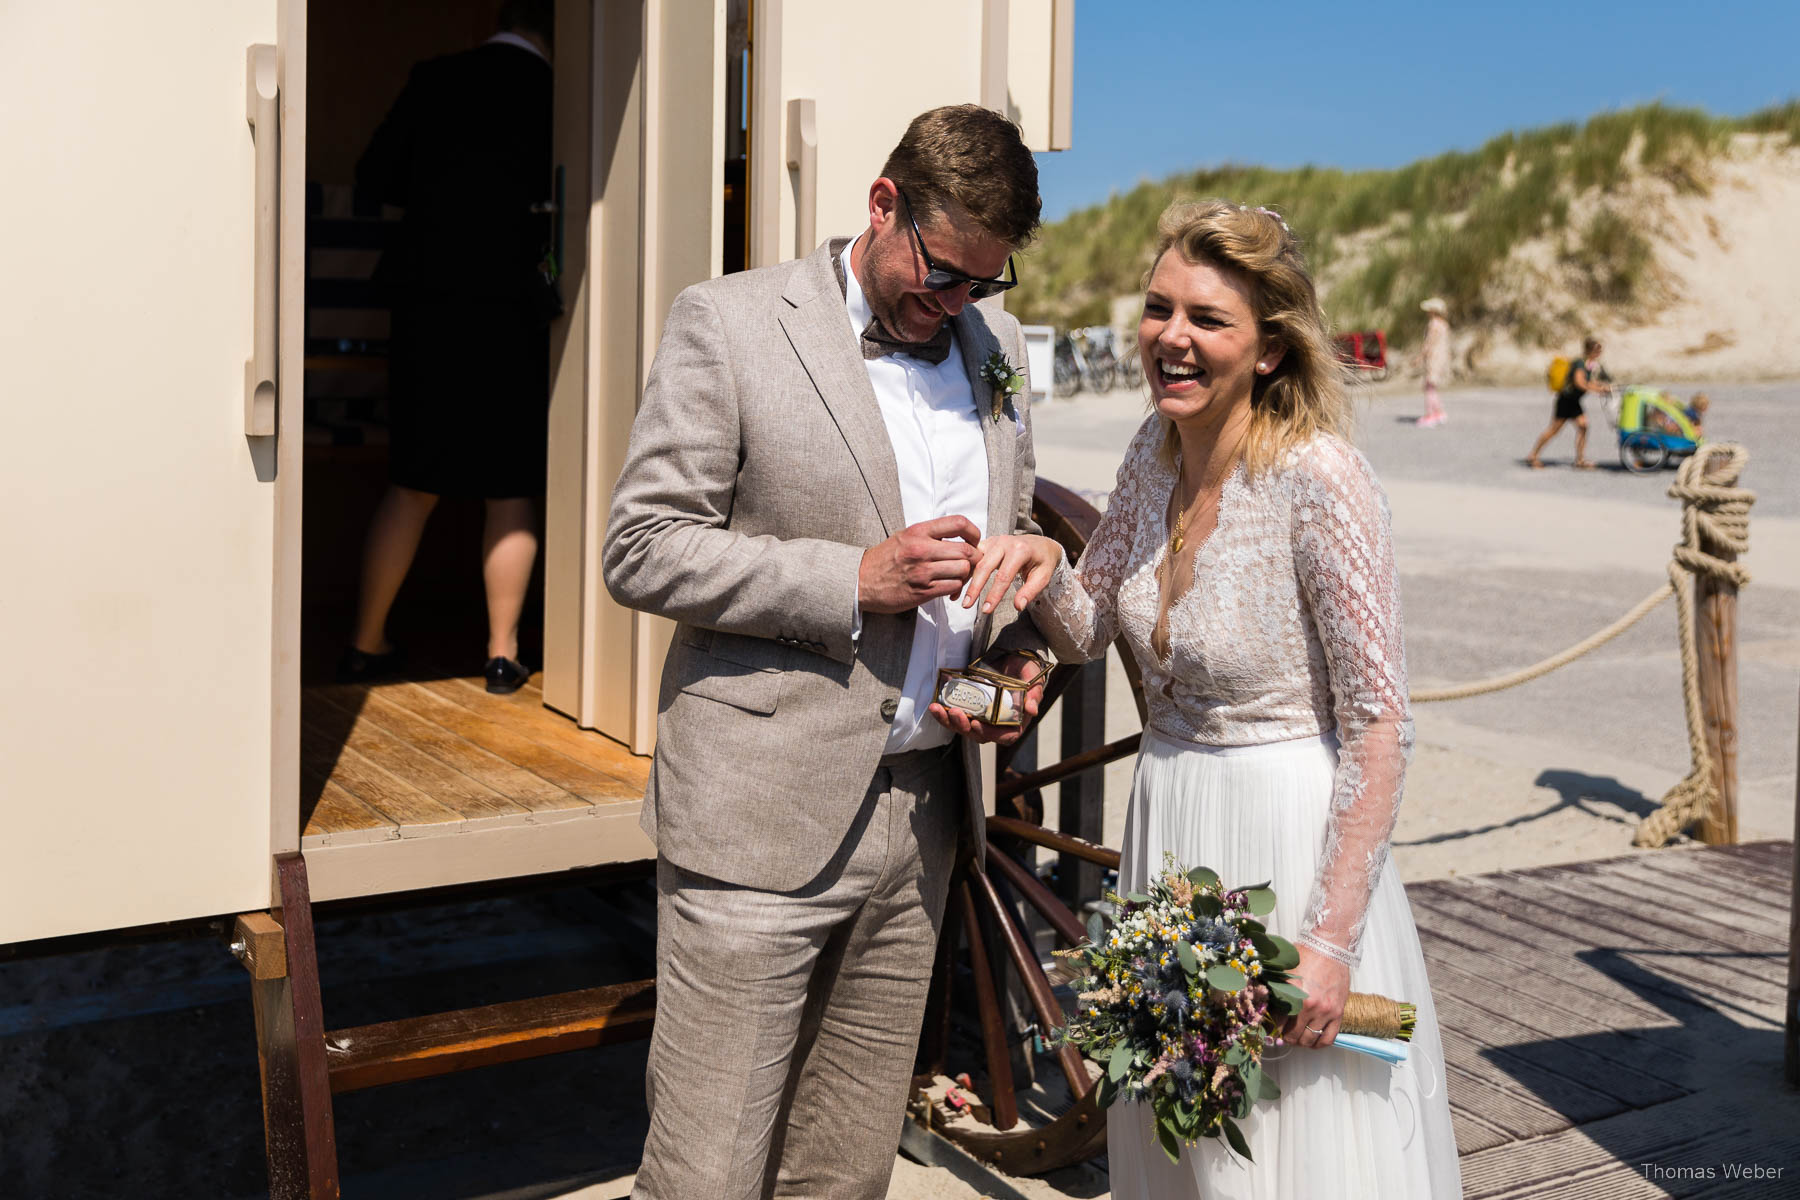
[(1558, 374)]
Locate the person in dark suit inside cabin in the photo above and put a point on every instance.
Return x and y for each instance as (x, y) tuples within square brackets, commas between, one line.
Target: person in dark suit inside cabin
[(465, 151)]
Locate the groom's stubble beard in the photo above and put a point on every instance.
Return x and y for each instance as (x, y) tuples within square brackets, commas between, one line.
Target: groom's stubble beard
[(881, 266)]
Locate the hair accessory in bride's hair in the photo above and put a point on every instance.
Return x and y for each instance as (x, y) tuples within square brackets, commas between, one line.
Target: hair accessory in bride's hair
[(1268, 212)]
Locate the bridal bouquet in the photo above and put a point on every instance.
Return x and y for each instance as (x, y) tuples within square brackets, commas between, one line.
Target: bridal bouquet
[(1184, 990)]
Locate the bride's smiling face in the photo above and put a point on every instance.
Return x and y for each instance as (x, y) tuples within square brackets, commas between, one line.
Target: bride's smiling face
[(1201, 346)]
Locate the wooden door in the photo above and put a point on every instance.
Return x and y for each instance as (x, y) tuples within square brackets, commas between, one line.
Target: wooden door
[(651, 202), (150, 369)]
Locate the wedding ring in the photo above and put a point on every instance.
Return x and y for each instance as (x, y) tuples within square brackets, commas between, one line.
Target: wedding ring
[(1310, 1029)]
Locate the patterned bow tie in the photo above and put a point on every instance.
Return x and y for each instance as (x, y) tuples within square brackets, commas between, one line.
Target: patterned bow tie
[(877, 342)]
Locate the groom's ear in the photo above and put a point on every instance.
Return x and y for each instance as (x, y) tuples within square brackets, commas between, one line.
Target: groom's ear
[(884, 202)]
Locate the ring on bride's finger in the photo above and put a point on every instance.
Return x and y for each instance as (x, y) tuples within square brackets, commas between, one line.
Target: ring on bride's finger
[(1310, 1029)]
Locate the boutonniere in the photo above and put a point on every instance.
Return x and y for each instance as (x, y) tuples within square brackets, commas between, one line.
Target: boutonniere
[(1005, 381)]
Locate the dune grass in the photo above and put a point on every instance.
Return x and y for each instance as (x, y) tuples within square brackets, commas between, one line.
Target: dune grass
[(1382, 241)]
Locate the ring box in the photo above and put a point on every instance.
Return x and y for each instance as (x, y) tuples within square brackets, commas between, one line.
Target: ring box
[(985, 694)]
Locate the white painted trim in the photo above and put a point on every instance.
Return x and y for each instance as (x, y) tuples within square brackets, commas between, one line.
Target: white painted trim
[(339, 867)]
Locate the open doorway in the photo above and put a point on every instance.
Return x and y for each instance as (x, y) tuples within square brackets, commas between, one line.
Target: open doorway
[(626, 136), (427, 345), (431, 230)]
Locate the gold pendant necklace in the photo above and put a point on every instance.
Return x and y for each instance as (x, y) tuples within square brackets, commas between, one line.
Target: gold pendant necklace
[(1178, 530)]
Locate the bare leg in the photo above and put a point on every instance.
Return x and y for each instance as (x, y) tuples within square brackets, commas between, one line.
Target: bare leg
[(1581, 428), (1544, 440), (509, 546), (388, 551), (1434, 408)]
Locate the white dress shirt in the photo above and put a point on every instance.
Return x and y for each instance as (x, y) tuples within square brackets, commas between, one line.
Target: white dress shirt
[(929, 411)]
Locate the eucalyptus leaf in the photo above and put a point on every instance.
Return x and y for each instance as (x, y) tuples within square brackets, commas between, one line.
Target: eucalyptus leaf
[(1235, 1136), (1236, 1056), (1203, 877), (1268, 1089), (1119, 1063), (1294, 997), (1286, 957), (1259, 900), (1106, 1091), (1137, 898), (1208, 906), (1169, 1137), (1224, 979), (1190, 962), (1096, 928)]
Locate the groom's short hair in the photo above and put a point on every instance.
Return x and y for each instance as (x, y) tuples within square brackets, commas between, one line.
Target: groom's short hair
[(974, 158)]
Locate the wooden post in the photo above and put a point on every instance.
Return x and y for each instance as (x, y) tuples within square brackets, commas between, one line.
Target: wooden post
[(299, 1136), (1793, 988), (1082, 809), (1715, 647)]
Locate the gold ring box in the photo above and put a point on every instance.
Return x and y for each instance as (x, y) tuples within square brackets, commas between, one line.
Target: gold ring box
[(986, 694)]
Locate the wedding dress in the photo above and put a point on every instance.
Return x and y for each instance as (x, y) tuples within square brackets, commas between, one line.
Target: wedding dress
[(1276, 750)]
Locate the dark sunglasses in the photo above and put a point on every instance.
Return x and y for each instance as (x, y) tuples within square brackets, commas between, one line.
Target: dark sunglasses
[(942, 279)]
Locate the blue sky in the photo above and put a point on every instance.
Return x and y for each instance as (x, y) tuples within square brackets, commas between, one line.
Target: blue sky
[(1163, 86)]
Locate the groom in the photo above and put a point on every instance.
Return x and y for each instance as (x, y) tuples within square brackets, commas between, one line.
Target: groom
[(815, 460)]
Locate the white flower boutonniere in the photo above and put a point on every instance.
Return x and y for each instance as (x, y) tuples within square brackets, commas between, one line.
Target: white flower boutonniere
[(1005, 381)]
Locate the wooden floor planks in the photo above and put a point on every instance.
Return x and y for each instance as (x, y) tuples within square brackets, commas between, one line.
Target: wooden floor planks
[(420, 759), (1610, 1025)]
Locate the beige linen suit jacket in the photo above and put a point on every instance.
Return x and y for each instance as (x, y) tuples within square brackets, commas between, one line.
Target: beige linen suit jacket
[(759, 470)]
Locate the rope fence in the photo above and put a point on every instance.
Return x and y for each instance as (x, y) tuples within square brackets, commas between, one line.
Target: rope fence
[(1715, 520)]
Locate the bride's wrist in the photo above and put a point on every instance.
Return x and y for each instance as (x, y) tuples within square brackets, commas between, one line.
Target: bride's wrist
[(1334, 952)]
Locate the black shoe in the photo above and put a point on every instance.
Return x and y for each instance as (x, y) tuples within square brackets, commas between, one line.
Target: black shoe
[(504, 675), (358, 667)]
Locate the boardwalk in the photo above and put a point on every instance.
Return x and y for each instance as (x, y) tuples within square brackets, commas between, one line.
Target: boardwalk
[(1613, 1028)]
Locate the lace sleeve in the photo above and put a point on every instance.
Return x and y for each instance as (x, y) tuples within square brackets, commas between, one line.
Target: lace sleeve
[(1077, 612), (1343, 552)]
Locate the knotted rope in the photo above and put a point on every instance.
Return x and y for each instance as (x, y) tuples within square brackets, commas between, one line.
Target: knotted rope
[(1715, 518)]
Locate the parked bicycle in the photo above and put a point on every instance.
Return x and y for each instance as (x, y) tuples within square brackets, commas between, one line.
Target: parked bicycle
[(1069, 365), (1102, 364)]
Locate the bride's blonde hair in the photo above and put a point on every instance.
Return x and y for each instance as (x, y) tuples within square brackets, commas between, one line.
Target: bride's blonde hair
[(1304, 395)]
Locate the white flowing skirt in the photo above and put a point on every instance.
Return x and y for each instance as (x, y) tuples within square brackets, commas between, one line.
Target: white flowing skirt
[(1347, 1126)]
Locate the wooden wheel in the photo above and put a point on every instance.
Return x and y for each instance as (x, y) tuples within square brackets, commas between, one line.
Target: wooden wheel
[(986, 922)]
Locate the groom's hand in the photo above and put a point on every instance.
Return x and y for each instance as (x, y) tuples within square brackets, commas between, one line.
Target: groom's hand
[(920, 563)]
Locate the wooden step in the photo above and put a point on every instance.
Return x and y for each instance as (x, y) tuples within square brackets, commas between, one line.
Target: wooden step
[(420, 1047)]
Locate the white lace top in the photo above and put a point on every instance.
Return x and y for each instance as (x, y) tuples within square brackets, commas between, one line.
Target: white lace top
[(1290, 629)]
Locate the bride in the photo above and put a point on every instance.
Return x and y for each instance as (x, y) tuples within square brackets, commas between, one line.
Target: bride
[(1246, 556)]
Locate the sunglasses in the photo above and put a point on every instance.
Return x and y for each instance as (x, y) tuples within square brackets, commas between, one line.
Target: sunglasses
[(942, 279)]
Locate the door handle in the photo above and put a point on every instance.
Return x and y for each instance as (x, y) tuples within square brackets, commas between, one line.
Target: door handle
[(803, 160), (261, 94)]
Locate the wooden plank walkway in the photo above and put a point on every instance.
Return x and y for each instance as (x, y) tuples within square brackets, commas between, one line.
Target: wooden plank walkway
[(415, 759), (1614, 1028)]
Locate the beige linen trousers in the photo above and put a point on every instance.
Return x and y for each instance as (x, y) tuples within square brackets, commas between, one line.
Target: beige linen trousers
[(759, 470)]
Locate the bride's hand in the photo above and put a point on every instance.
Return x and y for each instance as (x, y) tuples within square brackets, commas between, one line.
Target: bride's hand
[(1003, 559), (1326, 982)]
